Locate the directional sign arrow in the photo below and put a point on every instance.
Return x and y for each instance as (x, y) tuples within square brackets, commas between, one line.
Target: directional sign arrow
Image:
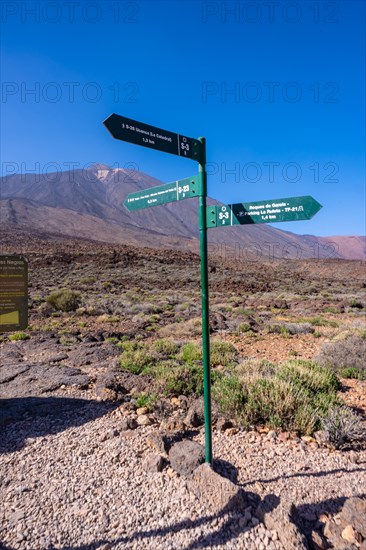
[(268, 211), (143, 134), (169, 192)]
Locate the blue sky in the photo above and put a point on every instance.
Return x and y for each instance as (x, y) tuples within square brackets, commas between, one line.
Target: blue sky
[(277, 89)]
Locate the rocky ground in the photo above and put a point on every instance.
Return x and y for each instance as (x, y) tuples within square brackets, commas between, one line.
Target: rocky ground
[(83, 467)]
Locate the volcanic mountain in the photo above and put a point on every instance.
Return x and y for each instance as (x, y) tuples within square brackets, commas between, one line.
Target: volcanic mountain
[(89, 204)]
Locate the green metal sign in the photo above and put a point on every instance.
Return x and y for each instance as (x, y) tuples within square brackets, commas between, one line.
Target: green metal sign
[(277, 210), (268, 211), (162, 194), (143, 134)]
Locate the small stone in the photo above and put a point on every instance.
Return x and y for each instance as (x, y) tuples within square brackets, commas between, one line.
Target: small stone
[(195, 414), (223, 424), (318, 542), (271, 434), (175, 401), (129, 423), (173, 425), (142, 410), (157, 441), (308, 439), (232, 431), (349, 534), (153, 463), (243, 522), (143, 420), (107, 387)]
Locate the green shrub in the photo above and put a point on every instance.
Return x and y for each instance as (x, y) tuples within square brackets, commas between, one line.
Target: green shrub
[(229, 394), (64, 300), (136, 358), (174, 379), (18, 336), (352, 372), (166, 347), (244, 327), (146, 400), (87, 280), (191, 353), (306, 374), (291, 396), (222, 353)]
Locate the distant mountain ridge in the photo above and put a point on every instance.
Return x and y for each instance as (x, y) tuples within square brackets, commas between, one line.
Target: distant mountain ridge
[(89, 204)]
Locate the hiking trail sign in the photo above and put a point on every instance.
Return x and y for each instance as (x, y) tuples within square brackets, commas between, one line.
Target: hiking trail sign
[(269, 211), (139, 133), (276, 210), (13, 293), (162, 194)]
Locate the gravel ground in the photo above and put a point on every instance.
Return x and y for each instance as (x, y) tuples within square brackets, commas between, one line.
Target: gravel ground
[(78, 483)]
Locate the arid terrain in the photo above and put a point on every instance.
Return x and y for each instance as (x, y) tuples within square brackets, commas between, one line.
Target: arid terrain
[(108, 377)]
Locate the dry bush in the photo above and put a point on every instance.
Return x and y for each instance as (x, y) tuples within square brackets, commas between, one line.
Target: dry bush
[(342, 428), (187, 329), (347, 357)]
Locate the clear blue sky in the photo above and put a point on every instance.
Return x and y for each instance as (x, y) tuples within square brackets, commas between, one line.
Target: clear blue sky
[(293, 124)]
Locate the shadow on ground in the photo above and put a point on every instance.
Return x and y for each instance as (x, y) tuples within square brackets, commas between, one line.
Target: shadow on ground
[(305, 516), (149, 538), (57, 414)]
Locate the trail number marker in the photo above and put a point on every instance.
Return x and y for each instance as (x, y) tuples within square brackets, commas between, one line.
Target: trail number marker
[(278, 210)]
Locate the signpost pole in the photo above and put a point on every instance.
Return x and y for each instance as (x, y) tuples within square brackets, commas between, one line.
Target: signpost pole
[(205, 306)]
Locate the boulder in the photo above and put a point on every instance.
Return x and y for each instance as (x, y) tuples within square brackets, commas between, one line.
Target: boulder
[(349, 525), (216, 493), (195, 415), (106, 387), (278, 518), (185, 456), (354, 513)]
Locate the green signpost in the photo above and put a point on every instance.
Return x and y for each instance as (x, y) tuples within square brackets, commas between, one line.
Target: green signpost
[(143, 134), (170, 192), (269, 211)]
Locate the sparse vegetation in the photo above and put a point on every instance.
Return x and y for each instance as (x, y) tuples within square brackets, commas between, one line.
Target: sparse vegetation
[(147, 400), (289, 396), (250, 309), (346, 357), (64, 300), (18, 336)]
